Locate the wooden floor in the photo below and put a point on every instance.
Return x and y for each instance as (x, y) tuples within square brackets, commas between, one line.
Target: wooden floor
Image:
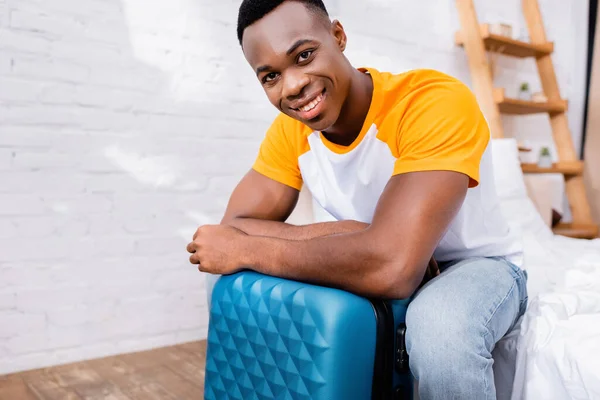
[(172, 373)]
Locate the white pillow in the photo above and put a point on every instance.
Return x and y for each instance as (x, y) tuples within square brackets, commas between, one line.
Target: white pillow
[(517, 207), (507, 169)]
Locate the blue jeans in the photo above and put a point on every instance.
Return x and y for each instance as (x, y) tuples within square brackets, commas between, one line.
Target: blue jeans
[(454, 322)]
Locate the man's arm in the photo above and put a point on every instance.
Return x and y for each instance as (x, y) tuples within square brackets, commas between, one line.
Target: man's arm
[(259, 205), (389, 258)]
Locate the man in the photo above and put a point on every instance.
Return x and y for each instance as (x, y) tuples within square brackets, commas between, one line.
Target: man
[(403, 164)]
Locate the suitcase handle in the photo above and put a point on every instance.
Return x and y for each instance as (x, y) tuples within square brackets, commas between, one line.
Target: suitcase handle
[(401, 353)]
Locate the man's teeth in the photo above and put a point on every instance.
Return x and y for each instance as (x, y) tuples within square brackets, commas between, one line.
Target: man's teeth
[(312, 104)]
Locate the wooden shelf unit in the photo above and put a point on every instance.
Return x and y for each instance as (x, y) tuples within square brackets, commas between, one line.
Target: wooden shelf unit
[(509, 105), (508, 46), (477, 40), (580, 231), (567, 168)]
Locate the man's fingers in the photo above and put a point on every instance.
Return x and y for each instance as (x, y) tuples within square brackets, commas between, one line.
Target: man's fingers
[(191, 247), (431, 271), (194, 259), (433, 267)]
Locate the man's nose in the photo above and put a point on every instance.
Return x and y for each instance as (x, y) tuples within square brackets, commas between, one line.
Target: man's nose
[(294, 83)]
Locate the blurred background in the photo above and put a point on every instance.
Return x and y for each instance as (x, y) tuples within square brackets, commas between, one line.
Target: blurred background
[(125, 124)]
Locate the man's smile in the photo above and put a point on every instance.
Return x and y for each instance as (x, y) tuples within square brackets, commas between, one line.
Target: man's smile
[(311, 107)]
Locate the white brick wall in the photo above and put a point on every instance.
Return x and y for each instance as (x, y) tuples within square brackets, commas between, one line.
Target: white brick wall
[(124, 124)]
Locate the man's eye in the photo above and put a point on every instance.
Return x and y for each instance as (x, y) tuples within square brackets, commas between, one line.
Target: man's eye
[(269, 77), (305, 55)]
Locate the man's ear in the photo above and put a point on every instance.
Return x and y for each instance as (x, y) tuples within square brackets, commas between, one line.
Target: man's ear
[(337, 30)]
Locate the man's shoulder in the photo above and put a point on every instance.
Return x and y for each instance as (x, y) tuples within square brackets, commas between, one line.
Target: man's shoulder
[(416, 78), (414, 89)]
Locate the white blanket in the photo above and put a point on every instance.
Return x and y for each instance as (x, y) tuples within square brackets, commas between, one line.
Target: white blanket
[(557, 348), (559, 343)]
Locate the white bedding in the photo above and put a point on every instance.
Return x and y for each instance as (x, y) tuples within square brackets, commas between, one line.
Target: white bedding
[(559, 343), (557, 348)]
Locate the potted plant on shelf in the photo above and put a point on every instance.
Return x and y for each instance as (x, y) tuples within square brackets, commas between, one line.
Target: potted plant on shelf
[(545, 159), (524, 93)]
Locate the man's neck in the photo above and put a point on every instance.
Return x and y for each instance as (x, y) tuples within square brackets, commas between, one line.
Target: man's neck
[(354, 111)]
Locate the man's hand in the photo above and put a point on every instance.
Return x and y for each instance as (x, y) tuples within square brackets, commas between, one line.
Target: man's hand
[(432, 271), (218, 249)]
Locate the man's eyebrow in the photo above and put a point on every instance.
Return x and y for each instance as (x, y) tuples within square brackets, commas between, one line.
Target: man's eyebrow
[(297, 44), (263, 68)]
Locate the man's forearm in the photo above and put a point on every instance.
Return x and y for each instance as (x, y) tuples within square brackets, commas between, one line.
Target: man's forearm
[(351, 262), (282, 230)]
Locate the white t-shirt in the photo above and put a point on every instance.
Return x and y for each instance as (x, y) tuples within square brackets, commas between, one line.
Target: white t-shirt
[(421, 120)]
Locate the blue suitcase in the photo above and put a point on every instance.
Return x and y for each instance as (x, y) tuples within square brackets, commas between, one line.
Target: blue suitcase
[(272, 338)]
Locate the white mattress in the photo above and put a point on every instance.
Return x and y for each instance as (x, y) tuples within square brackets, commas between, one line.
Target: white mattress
[(557, 347)]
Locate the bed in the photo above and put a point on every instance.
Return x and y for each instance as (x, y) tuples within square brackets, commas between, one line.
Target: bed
[(555, 353)]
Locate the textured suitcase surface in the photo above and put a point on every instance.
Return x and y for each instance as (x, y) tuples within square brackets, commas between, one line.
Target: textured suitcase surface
[(271, 338)]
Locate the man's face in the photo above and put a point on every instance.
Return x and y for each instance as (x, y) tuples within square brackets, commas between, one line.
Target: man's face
[(297, 56)]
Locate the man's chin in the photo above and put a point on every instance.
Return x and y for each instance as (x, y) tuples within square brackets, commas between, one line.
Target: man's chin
[(319, 124)]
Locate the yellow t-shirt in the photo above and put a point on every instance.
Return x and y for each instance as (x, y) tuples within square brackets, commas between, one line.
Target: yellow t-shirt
[(422, 120)]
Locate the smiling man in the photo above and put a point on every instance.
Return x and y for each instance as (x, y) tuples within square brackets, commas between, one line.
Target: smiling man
[(402, 162)]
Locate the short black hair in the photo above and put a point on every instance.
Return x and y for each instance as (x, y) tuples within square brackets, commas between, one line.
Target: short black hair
[(253, 10)]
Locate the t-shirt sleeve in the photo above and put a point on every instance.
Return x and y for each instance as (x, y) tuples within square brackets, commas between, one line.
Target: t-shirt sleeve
[(443, 128), (277, 157)]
